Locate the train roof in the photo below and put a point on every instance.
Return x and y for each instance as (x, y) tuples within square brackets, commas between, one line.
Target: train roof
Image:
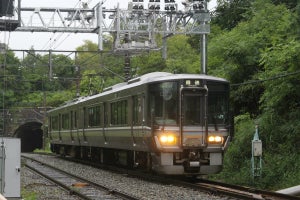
[(147, 78)]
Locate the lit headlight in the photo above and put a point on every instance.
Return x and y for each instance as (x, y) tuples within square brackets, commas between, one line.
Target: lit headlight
[(215, 139), (167, 139)]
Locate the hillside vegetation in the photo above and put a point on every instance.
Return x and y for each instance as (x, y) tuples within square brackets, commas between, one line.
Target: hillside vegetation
[(254, 44)]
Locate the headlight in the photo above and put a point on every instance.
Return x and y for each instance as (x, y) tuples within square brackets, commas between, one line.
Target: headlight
[(168, 139), (215, 139)]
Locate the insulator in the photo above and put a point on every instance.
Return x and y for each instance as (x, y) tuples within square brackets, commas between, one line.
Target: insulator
[(198, 6)]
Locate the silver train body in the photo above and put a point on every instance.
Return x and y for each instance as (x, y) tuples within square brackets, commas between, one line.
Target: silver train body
[(174, 124)]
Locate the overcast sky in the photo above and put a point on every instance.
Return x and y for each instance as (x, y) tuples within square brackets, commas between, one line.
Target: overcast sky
[(63, 41)]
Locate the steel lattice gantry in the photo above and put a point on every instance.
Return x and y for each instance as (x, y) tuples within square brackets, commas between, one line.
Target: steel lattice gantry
[(131, 29)]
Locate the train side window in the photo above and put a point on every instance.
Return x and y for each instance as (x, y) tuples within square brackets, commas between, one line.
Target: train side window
[(94, 116), (72, 120), (54, 123), (75, 120), (65, 121), (119, 112)]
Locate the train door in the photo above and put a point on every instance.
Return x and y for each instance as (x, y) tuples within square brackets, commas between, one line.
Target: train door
[(76, 125), (193, 112), (84, 123), (72, 126), (138, 118), (59, 127), (104, 122)]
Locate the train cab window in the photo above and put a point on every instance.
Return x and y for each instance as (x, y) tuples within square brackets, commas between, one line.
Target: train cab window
[(119, 113), (164, 103), (193, 108), (94, 116)]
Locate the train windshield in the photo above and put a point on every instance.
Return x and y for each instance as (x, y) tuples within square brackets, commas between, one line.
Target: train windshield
[(194, 100), (165, 109), (164, 103)]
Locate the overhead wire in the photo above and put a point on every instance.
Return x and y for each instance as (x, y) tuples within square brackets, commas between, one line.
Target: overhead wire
[(267, 79), (44, 47), (49, 43)]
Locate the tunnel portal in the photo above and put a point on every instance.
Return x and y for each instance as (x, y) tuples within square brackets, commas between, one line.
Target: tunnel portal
[(31, 135)]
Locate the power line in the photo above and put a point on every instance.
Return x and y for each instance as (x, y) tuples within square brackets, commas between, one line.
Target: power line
[(267, 79)]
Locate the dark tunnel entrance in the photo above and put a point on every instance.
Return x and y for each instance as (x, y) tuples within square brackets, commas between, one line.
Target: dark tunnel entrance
[(31, 136)]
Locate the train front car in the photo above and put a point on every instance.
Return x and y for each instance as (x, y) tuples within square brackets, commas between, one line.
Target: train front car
[(190, 125)]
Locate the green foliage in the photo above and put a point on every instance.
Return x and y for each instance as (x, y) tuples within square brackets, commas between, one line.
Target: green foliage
[(28, 195), (182, 58), (281, 142), (265, 47), (281, 93), (147, 63), (238, 55), (281, 152), (91, 83), (57, 98), (230, 13), (238, 156), (291, 4)]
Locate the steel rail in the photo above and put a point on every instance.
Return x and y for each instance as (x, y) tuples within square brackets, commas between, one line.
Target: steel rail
[(242, 191), (203, 185), (97, 188)]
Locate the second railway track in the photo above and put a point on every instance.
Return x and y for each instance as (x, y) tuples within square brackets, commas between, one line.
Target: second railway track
[(77, 186)]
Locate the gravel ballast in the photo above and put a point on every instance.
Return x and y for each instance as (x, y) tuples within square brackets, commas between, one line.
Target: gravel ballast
[(142, 189)]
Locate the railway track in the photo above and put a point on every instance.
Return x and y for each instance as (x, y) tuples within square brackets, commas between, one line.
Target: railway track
[(77, 186), (201, 185), (236, 191), (212, 187)]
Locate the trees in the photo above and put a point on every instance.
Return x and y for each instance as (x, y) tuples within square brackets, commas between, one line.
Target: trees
[(181, 58), (237, 54), (260, 56), (229, 13), (10, 79)]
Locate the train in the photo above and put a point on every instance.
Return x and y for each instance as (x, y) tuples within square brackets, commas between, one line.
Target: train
[(172, 124)]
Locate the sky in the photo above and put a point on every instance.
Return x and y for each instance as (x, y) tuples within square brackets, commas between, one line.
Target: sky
[(59, 41)]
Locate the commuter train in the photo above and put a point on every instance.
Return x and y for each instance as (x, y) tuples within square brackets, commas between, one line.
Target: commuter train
[(174, 124)]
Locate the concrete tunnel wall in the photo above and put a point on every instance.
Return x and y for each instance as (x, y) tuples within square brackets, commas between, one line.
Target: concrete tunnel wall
[(31, 135)]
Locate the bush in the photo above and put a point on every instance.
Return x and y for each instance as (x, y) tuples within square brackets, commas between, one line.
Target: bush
[(281, 156)]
